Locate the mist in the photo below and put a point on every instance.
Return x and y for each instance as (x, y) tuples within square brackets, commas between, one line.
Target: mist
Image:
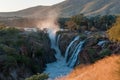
[(50, 21)]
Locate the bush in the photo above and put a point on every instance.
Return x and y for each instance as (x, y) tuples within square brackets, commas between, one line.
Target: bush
[(39, 52), (10, 62), (11, 30), (92, 53), (35, 68), (7, 49), (105, 52), (83, 37), (38, 77), (22, 59)]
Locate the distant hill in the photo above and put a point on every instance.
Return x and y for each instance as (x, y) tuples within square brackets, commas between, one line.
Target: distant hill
[(71, 7)]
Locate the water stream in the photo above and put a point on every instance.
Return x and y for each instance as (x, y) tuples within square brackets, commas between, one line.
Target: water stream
[(60, 67)]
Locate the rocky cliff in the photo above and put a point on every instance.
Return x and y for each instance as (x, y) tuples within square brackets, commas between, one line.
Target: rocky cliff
[(96, 46), (23, 54)]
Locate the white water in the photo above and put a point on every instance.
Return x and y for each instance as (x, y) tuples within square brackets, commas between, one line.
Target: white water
[(69, 46), (101, 43), (58, 68), (74, 57)]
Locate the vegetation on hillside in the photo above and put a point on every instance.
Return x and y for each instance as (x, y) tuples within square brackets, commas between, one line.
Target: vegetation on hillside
[(82, 23), (114, 32), (22, 52), (38, 77)]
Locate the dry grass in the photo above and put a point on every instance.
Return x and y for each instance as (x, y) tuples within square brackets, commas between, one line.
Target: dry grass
[(104, 69)]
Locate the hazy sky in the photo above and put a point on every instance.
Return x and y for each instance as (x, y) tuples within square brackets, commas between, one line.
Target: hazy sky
[(14, 5)]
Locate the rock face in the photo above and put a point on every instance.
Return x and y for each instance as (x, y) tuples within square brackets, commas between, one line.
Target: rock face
[(94, 48), (24, 55), (65, 40)]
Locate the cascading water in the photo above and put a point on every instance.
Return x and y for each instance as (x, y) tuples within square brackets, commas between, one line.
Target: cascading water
[(75, 51), (101, 43), (54, 43), (69, 46), (73, 58), (58, 68)]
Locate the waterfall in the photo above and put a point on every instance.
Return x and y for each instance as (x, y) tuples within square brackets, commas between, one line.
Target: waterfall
[(58, 40), (75, 51), (58, 68), (73, 58), (101, 43), (69, 46), (54, 43)]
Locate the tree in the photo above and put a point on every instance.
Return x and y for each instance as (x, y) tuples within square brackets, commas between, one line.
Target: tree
[(114, 32), (71, 25), (77, 22), (38, 77)]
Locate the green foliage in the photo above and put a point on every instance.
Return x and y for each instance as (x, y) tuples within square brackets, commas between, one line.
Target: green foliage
[(38, 77), (10, 62), (105, 52), (83, 36), (9, 31), (38, 52), (92, 52), (21, 59), (14, 43), (27, 61), (7, 49), (35, 68), (114, 32), (71, 25), (75, 22), (82, 23), (78, 19)]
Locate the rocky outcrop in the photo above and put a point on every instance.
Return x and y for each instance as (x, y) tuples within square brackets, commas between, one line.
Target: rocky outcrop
[(65, 40), (92, 51), (27, 56), (95, 47)]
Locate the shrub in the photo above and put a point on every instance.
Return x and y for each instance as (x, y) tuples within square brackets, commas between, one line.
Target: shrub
[(11, 30), (38, 77), (10, 62), (35, 68), (82, 36), (7, 49), (105, 52), (39, 52), (91, 53)]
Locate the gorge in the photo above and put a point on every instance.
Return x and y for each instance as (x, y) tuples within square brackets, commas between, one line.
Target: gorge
[(61, 67)]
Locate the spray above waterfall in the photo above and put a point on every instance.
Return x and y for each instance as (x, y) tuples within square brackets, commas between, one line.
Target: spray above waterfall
[(49, 22), (60, 67)]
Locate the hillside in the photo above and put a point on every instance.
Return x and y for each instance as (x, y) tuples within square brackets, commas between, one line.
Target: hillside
[(71, 7)]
